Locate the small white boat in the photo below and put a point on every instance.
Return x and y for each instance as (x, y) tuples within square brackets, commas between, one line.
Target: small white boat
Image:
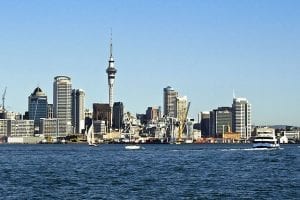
[(189, 141), (265, 140), (132, 147)]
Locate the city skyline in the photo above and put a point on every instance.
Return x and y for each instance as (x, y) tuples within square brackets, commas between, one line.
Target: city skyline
[(204, 50)]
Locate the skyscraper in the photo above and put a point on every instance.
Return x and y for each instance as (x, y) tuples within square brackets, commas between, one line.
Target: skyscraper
[(111, 73), (62, 103), (118, 113), (37, 106), (241, 109), (205, 116), (170, 106), (78, 114)]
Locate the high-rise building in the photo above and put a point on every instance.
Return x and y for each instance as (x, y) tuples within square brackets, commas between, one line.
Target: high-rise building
[(220, 121), (205, 116), (118, 113), (78, 112), (62, 103), (170, 105), (111, 74), (152, 113), (181, 107), (102, 112), (241, 110), (37, 106)]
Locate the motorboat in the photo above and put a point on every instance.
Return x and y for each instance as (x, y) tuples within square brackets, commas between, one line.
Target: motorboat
[(132, 147)]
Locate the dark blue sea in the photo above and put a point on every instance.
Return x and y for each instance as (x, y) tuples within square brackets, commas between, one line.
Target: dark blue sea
[(74, 171)]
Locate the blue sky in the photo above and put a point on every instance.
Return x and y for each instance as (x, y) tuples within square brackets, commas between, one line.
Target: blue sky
[(203, 49)]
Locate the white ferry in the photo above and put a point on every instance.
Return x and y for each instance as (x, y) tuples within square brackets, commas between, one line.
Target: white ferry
[(265, 140)]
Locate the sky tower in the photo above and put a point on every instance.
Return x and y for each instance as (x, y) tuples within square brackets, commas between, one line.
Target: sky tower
[(111, 73)]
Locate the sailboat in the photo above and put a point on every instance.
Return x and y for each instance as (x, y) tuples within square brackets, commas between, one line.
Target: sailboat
[(90, 136), (132, 146)]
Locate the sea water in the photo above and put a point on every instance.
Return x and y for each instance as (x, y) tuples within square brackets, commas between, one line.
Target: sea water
[(73, 171)]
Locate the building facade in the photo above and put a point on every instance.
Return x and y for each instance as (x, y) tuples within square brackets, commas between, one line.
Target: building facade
[(241, 110), (20, 128), (181, 108), (205, 116), (220, 121), (118, 113), (53, 128), (102, 112), (62, 102), (37, 106), (78, 111), (170, 97), (3, 127), (99, 127), (50, 111), (153, 114)]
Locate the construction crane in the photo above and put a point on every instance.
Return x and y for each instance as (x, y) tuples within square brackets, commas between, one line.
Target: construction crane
[(182, 121), (3, 99)]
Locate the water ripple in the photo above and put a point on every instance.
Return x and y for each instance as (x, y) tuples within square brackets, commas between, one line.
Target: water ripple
[(156, 172)]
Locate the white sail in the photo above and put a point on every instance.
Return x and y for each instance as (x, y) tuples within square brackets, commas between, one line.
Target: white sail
[(90, 136)]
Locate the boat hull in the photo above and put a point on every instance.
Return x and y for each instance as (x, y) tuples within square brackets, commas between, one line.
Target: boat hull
[(265, 145)]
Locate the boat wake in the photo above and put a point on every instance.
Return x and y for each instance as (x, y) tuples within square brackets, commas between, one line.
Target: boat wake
[(186, 150), (253, 149)]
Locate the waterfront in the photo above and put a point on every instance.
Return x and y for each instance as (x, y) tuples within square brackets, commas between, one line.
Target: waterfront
[(216, 171)]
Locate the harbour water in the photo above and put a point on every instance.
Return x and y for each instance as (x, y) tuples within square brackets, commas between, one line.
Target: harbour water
[(225, 171)]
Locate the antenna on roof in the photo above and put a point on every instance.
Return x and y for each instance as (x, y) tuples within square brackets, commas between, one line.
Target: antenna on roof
[(233, 93)]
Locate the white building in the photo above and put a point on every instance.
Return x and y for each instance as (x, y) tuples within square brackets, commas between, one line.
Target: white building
[(20, 128), (241, 111), (292, 135), (265, 130), (18, 131), (62, 103)]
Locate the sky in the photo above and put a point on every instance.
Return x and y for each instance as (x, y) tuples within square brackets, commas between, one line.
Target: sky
[(203, 49)]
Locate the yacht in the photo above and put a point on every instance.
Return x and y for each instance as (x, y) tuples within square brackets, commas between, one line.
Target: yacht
[(90, 136), (265, 140)]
